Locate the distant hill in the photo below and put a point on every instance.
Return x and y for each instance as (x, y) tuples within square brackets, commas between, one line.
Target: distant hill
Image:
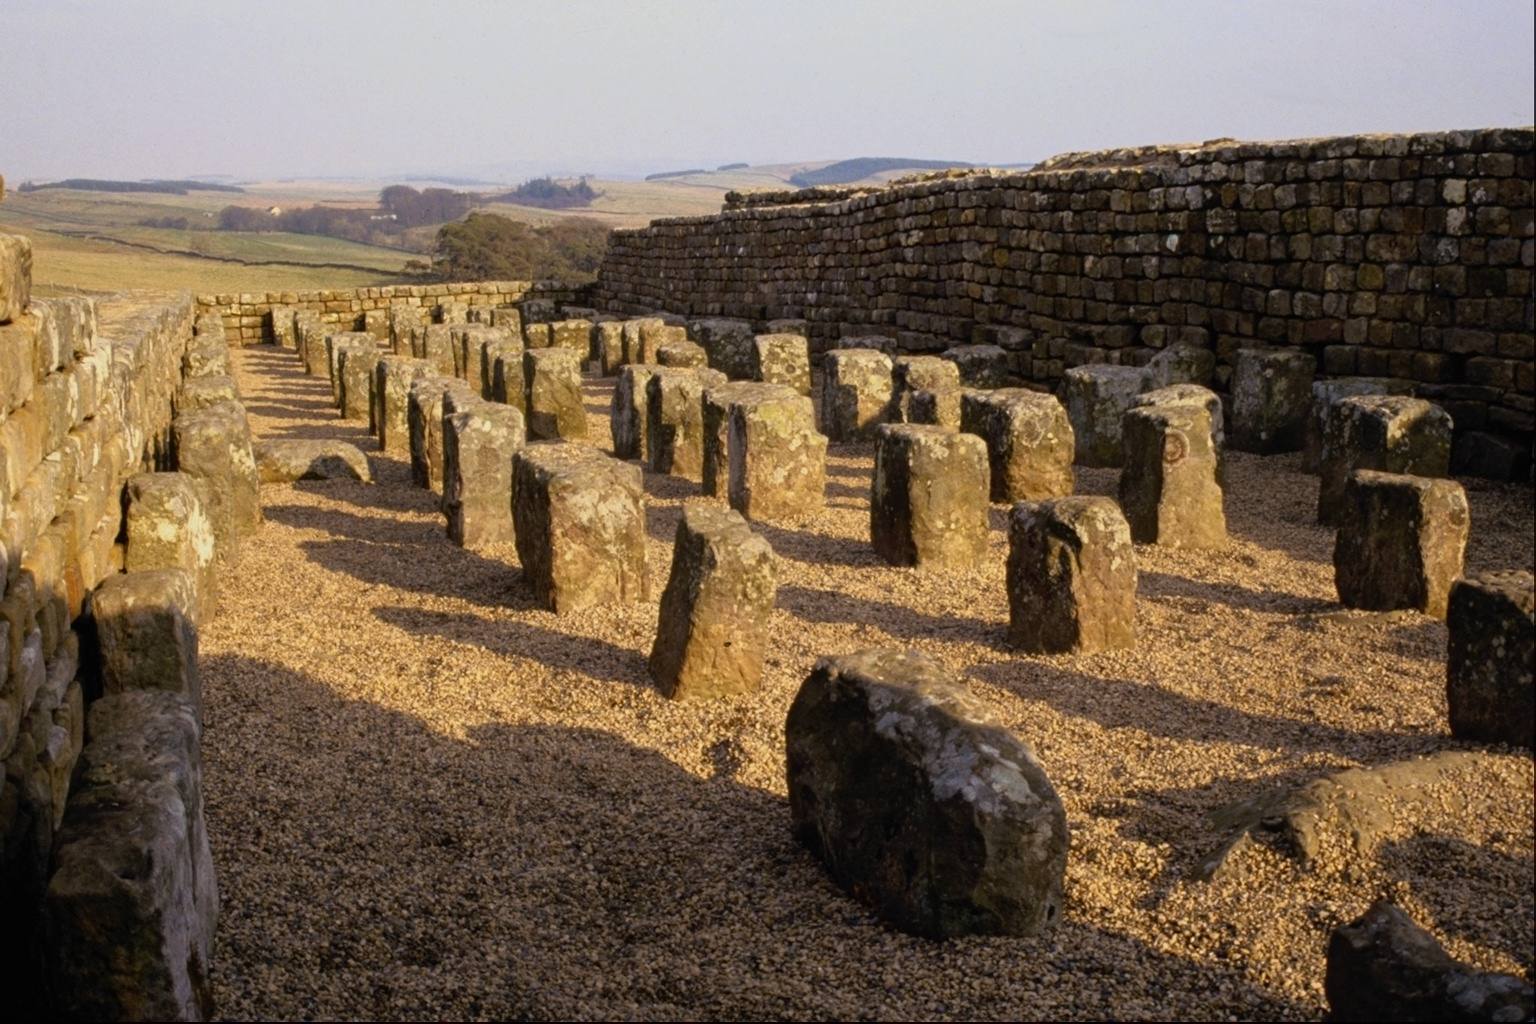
[(675, 174), (175, 188), (856, 170)]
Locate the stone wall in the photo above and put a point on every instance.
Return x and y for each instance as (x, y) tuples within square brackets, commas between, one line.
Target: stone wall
[(1385, 255), (246, 320)]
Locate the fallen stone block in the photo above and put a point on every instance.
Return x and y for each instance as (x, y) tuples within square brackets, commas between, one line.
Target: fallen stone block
[(552, 378), (1325, 395), (919, 373), (1491, 658), (1386, 433), (1170, 493), (856, 390), (712, 634), (392, 384), (1271, 397), (783, 359), (717, 402), (579, 517), (628, 416), (778, 462), (1097, 397), (980, 366), (1181, 364), (1194, 394), (928, 500), (146, 625), (1071, 577), (285, 461), (131, 907), (167, 529), (937, 408), (731, 346), (682, 355), (1400, 543), (15, 276), (478, 446), (1029, 441), (919, 804), (674, 420)]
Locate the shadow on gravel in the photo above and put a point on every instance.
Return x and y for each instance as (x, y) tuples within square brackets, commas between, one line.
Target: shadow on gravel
[(371, 865), (815, 605), (1456, 879), (1157, 584), (814, 548)]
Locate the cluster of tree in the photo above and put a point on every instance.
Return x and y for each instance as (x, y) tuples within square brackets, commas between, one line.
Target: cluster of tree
[(407, 208), (549, 194), (858, 169), (488, 247), (175, 188), (400, 209), (175, 223)]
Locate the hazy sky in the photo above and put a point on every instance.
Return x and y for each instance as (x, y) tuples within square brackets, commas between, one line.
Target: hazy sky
[(280, 88)]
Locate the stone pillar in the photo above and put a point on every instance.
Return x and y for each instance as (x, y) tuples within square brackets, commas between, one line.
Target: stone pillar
[(580, 524), (1271, 396), (636, 333), (509, 317), (310, 335), (358, 365), (552, 378), (537, 311), (575, 335), (717, 402), (1326, 394), (536, 335), (682, 355), (919, 373), (712, 633), (1071, 576), (928, 500), (451, 312), (146, 624), (478, 446), (1400, 542), (627, 417), (938, 408), (213, 446), (610, 347), (855, 393), (167, 529), (436, 348), (508, 385), (1387, 433), (1029, 441), (731, 346), (783, 359), (674, 420), (1181, 364), (981, 366), (1169, 490), (280, 327), (337, 343), (404, 326), (1490, 672), (426, 426), (392, 384), (778, 461), (1096, 397), (1194, 394)]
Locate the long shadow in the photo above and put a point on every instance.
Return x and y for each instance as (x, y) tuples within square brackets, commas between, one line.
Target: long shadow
[(1469, 889), (551, 871), (1157, 584), (814, 548), (815, 605), (843, 490)]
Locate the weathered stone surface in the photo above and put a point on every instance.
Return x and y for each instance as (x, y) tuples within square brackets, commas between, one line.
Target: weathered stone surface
[(919, 373), (1481, 454), (783, 359), (1169, 490), (208, 353), (282, 461), (636, 333), (405, 327), (1490, 667), (437, 348), (1382, 966), (1387, 433), (376, 323), (1327, 393), (575, 335), (580, 522), (427, 427), (717, 402), (1271, 397), (15, 276), (778, 462), (552, 381), (980, 366), (674, 420), (788, 325), (628, 417), (1071, 576), (1181, 364), (465, 342), (509, 317), (311, 332), (146, 622), (1194, 394), (610, 347), (130, 911), (201, 392), (1097, 397), (166, 529), (478, 446), (213, 446), (919, 804), (538, 311), (280, 327), (1400, 542), (939, 408), (683, 355), (1029, 441), (731, 346), (536, 335), (873, 342), (928, 499), (355, 364), (856, 390), (392, 386), (508, 385), (712, 633)]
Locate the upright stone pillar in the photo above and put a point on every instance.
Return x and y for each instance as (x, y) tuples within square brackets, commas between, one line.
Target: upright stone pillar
[(920, 373), (580, 524), (1271, 396), (478, 447), (981, 366), (1096, 397), (575, 335), (1194, 394), (731, 346), (1326, 394), (1400, 543), (1169, 490), (1182, 364), (310, 333), (213, 446), (610, 347), (1029, 441), (682, 355), (358, 366), (855, 393), (553, 380), (404, 326), (1071, 576), (674, 432), (146, 623), (717, 402), (928, 501), (426, 425), (508, 384), (636, 333), (335, 344), (392, 384), (1491, 658), (167, 529), (712, 633), (778, 460), (628, 413), (280, 327), (783, 359), (436, 347), (1386, 433)]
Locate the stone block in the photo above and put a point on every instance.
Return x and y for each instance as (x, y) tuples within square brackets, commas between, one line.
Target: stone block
[(146, 627), (1181, 364), (610, 347), (310, 333), (284, 461), (358, 365), (509, 317), (576, 335), (207, 354), (869, 342), (731, 346), (1387, 433), (376, 323), (579, 516), (167, 529), (1029, 441), (928, 500), (980, 366), (280, 327), (627, 416), (1170, 493), (1326, 394), (656, 336), (856, 390), (452, 313), (1071, 576), (787, 325), (537, 311), (919, 373), (201, 392), (437, 348), (536, 335), (1210, 401), (717, 402), (18, 375), (427, 427), (682, 355), (508, 386), (783, 359), (674, 420), (1097, 397), (1271, 398), (1491, 658), (712, 633), (337, 343), (778, 462), (1400, 543), (636, 333), (131, 907), (938, 408), (404, 327), (552, 382), (478, 446), (392, 385), (15, 276), (919, 803)]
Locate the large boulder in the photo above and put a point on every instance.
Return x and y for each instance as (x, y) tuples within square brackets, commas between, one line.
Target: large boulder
[(1400, 543), (1030, 442), (1491, 658), (1071, 576), (928, 499), (919, 803), (283, 461)]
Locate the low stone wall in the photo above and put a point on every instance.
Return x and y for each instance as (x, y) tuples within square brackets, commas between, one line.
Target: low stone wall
[(247, 320), (1398, 256)]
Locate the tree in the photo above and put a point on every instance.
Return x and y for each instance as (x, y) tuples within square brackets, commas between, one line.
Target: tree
[(488, 247)]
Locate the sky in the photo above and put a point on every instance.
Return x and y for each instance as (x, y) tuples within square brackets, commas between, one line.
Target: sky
[(511, 90)]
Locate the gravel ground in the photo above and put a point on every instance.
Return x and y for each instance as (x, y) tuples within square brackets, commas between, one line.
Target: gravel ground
[(430, 799)]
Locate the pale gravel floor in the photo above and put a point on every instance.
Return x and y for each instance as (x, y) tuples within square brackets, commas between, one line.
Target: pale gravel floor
[(429, 798)]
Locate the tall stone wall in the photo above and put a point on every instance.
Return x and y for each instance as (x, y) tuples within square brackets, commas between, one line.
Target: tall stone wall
[(1385, 255)]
